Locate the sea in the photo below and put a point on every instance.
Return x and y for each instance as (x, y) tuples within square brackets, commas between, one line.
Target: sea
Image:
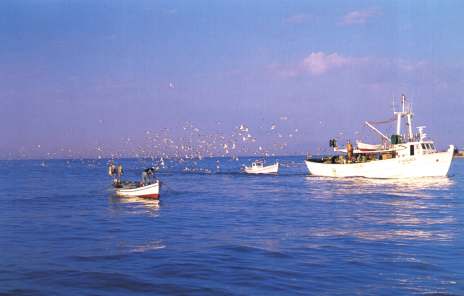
[(218, 231)]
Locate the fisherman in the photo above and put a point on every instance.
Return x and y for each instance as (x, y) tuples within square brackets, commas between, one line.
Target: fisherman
[(147, 175), (144, 178), (120, 170), (349, 150), (111, 169)]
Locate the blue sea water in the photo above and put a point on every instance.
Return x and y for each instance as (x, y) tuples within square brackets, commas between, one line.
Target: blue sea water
[(221, 232)]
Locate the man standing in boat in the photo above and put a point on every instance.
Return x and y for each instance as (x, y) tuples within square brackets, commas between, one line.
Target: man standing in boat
[(120, 171), (111, 169), (113, 173), (349, 151), (147, 176)]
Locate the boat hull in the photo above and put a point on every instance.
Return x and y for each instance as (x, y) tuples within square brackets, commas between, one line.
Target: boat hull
[(427, 165), (270, 169), (150, 191)]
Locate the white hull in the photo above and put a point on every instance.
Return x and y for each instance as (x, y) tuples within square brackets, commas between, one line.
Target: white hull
[(427, 165), (270, 169), (149, 191)]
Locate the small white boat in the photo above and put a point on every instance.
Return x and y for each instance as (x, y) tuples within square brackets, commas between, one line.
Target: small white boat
[(258, 167), (149, 187), (134, 189), (368, 147)]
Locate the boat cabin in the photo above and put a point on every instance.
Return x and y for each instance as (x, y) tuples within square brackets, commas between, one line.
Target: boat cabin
[(402, 150), (415, 148), (257, 164)]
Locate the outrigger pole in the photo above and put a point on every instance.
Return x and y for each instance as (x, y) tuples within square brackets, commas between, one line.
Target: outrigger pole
[(377, 131)]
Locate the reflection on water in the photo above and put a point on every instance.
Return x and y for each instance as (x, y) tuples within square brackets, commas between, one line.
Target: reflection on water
[(382, 235), (136, 204), (378, 209), (229, 232), (413, 234), (400, 187), (148, 246)]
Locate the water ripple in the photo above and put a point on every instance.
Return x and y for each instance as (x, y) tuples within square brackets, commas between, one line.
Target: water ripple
[(222, 232)]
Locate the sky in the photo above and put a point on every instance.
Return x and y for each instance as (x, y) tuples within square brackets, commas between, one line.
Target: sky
[(94, 78)]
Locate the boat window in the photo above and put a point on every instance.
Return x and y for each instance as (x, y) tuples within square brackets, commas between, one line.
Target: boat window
[(423, 146), (411, 150), (428, 146), (432, 146)]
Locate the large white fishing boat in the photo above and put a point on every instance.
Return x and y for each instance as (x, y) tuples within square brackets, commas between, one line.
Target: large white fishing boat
[(399, 156)]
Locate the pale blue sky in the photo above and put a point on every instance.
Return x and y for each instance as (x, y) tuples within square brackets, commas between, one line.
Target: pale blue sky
[(81, 74)]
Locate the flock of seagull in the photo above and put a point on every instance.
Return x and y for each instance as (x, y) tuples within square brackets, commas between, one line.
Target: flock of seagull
[(188, 142)]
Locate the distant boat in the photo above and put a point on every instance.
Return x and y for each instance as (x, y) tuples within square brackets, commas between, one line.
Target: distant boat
[(258, 167), (400, 156)]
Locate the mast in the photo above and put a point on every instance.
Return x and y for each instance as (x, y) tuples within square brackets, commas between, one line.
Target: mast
[(398, 117), (403, 100), (409, 118), (408, 115), (411, 136), (398, 122)]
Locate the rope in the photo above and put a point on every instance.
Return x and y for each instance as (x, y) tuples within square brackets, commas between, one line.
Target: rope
[(163, 184), (383, 122)]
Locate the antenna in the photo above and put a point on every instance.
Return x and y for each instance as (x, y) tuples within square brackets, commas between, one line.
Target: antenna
[(410, 105), (403, 101)]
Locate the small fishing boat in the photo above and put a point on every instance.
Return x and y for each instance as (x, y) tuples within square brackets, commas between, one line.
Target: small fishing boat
[(136, 189), (258, 167), (149, 187)]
